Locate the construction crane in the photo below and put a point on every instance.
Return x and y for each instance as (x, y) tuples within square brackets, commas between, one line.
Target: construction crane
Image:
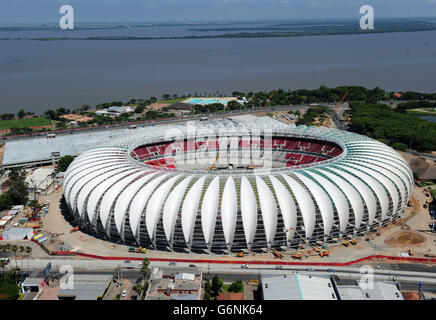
[(213, 167), (268, 101), (321, 252), (297, 255), (336, 108)]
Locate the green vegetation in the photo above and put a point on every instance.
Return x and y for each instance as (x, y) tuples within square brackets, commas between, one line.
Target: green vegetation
[(270, 30), (313, 112), (236, 286), (421, 113), (18, 192), (9, 289), (212, 290), (24, 123), (144, 267), (217, 284), (64, 163), (379, 121), (171, 101), (399, 146), (416, 104), (207, 290)]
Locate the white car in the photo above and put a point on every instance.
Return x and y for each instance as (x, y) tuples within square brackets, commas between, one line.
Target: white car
[(124, 293), (244, 266)]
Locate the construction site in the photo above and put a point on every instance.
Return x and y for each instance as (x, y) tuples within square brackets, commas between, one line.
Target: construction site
[(56, 231)]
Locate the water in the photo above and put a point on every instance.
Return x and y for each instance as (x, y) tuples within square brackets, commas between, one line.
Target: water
[(38, 75), (429, 118), (207, 101)]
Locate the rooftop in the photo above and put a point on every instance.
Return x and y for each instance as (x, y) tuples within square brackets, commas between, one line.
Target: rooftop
[(87, 287), (297, 287)]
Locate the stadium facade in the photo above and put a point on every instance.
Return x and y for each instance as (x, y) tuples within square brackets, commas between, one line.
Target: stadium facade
[(226, 187)]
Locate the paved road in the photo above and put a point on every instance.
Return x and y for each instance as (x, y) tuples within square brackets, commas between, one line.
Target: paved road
[(422, 154), (383, 271), (158, 122)]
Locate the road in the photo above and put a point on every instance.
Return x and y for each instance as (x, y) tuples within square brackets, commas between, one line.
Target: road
[(406, 272), (159, 122), (422, 154)]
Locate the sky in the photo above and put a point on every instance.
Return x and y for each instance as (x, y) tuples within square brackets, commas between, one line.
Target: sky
[(47, 11)]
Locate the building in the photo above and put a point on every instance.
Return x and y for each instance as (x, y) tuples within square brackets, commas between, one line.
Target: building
[(32, 284), (308, 287), (120, 110), (297, 287), (313, 185), (349, 289), (175, 284), (86, 287), (18, 234), (40, 179)]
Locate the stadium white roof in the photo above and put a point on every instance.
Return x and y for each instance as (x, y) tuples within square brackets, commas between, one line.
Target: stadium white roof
[(369, 180)]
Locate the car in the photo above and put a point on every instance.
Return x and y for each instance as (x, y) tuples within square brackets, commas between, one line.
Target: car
[(172, 263), (244, 266), (192, 266), (279, 267), (310, 269), (124, 293), (127, 261)]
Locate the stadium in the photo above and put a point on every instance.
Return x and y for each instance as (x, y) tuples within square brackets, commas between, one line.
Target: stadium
[(223, 186)]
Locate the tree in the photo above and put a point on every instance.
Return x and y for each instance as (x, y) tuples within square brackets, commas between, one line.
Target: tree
[(138, 288), (64, 163), (3, 264), (399, 146), (85, 107), (165, 96), (236, 286), (207, 290), (217, 284), (17, 174), (18, 193), (34, 204), (144, 267), (51, 114), (139, 109), (21, 113), (14, 249)]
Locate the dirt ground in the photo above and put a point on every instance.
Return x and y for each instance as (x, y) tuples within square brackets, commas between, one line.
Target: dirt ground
[(116, 288), (416, 218)]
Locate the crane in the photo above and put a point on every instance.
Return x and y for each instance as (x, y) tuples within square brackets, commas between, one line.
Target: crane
[(317, 249), (336, 108), (213, 167), (267, 102)]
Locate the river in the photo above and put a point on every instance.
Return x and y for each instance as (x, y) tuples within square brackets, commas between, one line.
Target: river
[(37, 75)]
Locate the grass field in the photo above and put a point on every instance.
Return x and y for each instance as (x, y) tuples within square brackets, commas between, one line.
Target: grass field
[(171, 101), (24, 123), (421, 113)]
